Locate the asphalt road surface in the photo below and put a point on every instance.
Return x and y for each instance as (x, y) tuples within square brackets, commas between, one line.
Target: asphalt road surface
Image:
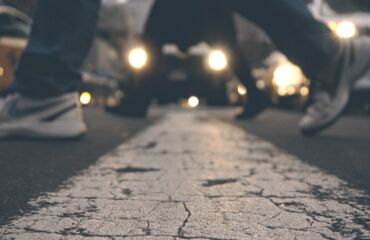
[(343, 150), (189, 175), (29, 167)]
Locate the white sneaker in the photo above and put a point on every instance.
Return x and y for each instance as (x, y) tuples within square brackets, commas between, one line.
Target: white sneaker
[(58, 117), (328, 106)]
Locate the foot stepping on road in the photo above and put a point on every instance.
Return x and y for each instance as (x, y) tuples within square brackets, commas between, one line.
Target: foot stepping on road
[(193, 177)]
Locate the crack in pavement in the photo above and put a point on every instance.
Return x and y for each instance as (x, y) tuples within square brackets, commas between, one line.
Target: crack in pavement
[(181, 231), (136, 170), (216, 182), (147, 230)]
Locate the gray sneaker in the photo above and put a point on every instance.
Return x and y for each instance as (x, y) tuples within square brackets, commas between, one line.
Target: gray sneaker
[(329, 105), (58, 117)]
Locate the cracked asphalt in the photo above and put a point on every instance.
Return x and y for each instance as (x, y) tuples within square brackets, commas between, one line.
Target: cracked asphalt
[(195, 175)]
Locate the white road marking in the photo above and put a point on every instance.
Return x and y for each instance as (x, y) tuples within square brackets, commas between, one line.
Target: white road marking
[(189, 177)]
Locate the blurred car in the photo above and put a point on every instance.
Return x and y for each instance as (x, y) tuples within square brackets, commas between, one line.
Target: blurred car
[(348, 19), (182, 57), (104, 67), (286, 82), (282, 80), (99, 90), (202, 70), (15, 27)]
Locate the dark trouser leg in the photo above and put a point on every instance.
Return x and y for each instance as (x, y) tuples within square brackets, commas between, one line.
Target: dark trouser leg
[(257, 100), (61, 37), (306, 41), (242, 70)]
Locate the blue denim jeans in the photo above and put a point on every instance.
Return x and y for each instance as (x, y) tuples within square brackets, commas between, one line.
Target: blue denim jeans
[(63, 31), (61, 37)]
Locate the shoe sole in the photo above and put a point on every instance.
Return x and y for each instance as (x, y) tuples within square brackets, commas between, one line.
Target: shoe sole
[(344, 89), (313, 131), (64, 130)]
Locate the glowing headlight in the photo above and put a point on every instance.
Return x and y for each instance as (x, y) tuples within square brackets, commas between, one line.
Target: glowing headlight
[(193, 102), (85, 98), (287, 77), (344, 29), (2, 71), (305, 91), (242, 90), (217, 60), (138, 58)]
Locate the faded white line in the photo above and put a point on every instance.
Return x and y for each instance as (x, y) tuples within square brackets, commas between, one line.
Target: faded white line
[(191, 178)]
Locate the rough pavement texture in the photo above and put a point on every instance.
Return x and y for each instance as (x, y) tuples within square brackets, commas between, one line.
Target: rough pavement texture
[(191, 177)]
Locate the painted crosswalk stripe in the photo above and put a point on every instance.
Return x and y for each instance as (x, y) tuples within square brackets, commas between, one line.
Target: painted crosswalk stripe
[(191, 177)]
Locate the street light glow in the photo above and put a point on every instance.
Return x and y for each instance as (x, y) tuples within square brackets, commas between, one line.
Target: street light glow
[(2, 71)]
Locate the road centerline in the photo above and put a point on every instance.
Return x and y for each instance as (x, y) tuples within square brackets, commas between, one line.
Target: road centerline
[(187, 177)]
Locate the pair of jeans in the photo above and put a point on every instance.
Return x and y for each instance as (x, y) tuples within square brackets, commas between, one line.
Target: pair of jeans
[(63, 31), (61, 37)]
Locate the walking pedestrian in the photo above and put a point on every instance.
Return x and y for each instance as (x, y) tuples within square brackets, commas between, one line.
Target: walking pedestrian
[(45, 101)]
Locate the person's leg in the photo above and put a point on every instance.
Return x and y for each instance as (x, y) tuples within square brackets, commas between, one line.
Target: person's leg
[(143, 85), (306, 41), (333, 65), (45, 100), (257, 101), (61, 37), (218, 27)]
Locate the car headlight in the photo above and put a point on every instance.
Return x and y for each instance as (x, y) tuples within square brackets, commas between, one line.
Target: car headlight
[(242, 90), (343, 29), (287, 79), (85, 98), (138, 58), (193, 102), (217, 60)]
